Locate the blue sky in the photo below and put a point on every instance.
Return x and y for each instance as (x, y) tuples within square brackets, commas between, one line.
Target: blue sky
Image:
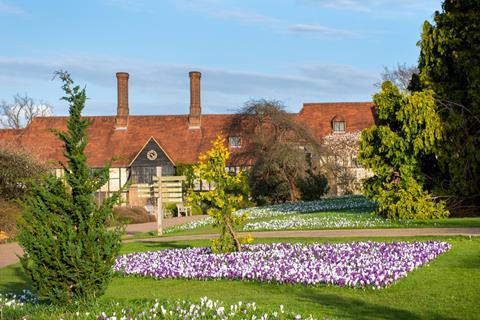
[(294, 51)]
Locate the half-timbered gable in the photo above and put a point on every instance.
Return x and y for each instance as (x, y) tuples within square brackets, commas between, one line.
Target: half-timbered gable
[(143, 167)]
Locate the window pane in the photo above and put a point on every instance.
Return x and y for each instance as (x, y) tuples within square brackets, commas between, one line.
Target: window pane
[(235, 142), (339, 126)]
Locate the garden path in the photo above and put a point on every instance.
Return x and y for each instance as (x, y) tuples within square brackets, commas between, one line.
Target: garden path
[(9, 251), (400, 232)]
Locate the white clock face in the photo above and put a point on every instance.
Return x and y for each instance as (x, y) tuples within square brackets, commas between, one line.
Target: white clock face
[(151, 155)]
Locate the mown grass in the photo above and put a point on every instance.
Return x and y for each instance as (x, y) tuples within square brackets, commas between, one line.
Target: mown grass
[(448, 288)]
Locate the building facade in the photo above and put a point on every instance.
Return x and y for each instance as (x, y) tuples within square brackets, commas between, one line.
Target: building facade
[(139, 144)]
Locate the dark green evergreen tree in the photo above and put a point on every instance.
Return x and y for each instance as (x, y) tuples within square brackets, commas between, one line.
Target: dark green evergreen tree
[(450, 65), (69, 252)]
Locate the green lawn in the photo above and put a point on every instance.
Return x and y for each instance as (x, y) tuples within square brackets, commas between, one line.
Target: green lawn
[(354, 217), (448, 288)]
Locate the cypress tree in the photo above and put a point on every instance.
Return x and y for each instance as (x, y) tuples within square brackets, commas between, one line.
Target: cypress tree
[(450, 65), (69, 252)]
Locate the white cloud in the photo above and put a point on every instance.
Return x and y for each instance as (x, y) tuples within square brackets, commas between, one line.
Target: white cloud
[(166, 85), (218, 10), (318, 29), (387, 8), (10, 9)]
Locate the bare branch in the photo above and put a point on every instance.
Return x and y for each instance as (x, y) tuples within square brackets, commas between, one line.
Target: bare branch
[(400, 76), (22, 111)]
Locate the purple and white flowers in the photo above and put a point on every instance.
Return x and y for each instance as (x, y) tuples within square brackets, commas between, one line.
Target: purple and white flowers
[(356, 264)]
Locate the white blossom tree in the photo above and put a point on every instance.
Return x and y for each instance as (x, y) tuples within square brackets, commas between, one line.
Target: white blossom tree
[(339, 162)]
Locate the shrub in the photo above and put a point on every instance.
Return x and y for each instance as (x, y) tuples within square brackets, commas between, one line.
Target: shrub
[(131, 215), (313, 186), (171, 209), (196, 209), (9, 214), (269, 190), (69, 252), (17, 168), (224, 199)]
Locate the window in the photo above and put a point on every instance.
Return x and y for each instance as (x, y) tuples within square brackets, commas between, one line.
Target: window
[(235, 142), (232, 170), (338, 126)]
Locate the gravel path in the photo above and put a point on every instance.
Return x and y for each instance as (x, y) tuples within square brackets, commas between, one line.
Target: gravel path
[(400, 232), (9, 251)]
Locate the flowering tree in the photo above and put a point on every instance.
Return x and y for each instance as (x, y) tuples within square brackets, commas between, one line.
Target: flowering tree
[(338, 153), (224, 199)]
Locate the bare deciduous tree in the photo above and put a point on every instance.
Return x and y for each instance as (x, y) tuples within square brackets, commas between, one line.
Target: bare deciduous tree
[(21, 112), (279, 145), (400, 76)]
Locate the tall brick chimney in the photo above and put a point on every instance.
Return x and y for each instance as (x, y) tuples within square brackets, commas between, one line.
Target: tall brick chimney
[(121, 120), (194, 118)]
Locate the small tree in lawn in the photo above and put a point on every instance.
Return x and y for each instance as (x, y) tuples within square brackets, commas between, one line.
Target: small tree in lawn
[(224, 199), (69, 252)]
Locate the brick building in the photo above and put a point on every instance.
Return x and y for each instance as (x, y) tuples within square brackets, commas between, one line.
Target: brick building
[(142, 143)]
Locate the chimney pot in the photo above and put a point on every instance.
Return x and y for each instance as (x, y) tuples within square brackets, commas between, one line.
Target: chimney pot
[(121, 120), (194, 118)]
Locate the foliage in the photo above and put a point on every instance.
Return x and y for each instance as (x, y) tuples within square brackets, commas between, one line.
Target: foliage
[(187, 171), (224, 199), (69, 252), (282, 148), (313, 186), (9, 215), (268, 182), (21, 112), (408, 129), (17, 169), (449, 65)]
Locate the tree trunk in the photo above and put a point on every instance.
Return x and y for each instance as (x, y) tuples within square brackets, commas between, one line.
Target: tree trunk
[(232, 233)]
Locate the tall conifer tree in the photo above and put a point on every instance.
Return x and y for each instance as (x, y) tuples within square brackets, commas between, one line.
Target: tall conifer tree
[(69, 252)]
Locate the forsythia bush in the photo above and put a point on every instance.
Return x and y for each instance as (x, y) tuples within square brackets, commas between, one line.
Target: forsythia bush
[(226, 197)]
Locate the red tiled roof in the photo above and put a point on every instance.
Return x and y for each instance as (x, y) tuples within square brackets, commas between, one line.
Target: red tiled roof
[(318, 116), (10, 137), (183, 145)]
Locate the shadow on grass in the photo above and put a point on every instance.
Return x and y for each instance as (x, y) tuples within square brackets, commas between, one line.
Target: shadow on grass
[(16, 278), (153, 245), (358, 309), (166, 245)]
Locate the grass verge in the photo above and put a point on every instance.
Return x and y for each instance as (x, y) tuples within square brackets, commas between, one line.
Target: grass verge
[(445, 289)]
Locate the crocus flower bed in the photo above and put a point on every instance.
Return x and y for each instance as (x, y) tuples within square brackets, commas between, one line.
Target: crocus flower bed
[(351, 203), (357, 264), (329, 220)]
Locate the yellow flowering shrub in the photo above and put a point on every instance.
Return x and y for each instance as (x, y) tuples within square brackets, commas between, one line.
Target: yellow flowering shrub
[(222, 199)]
